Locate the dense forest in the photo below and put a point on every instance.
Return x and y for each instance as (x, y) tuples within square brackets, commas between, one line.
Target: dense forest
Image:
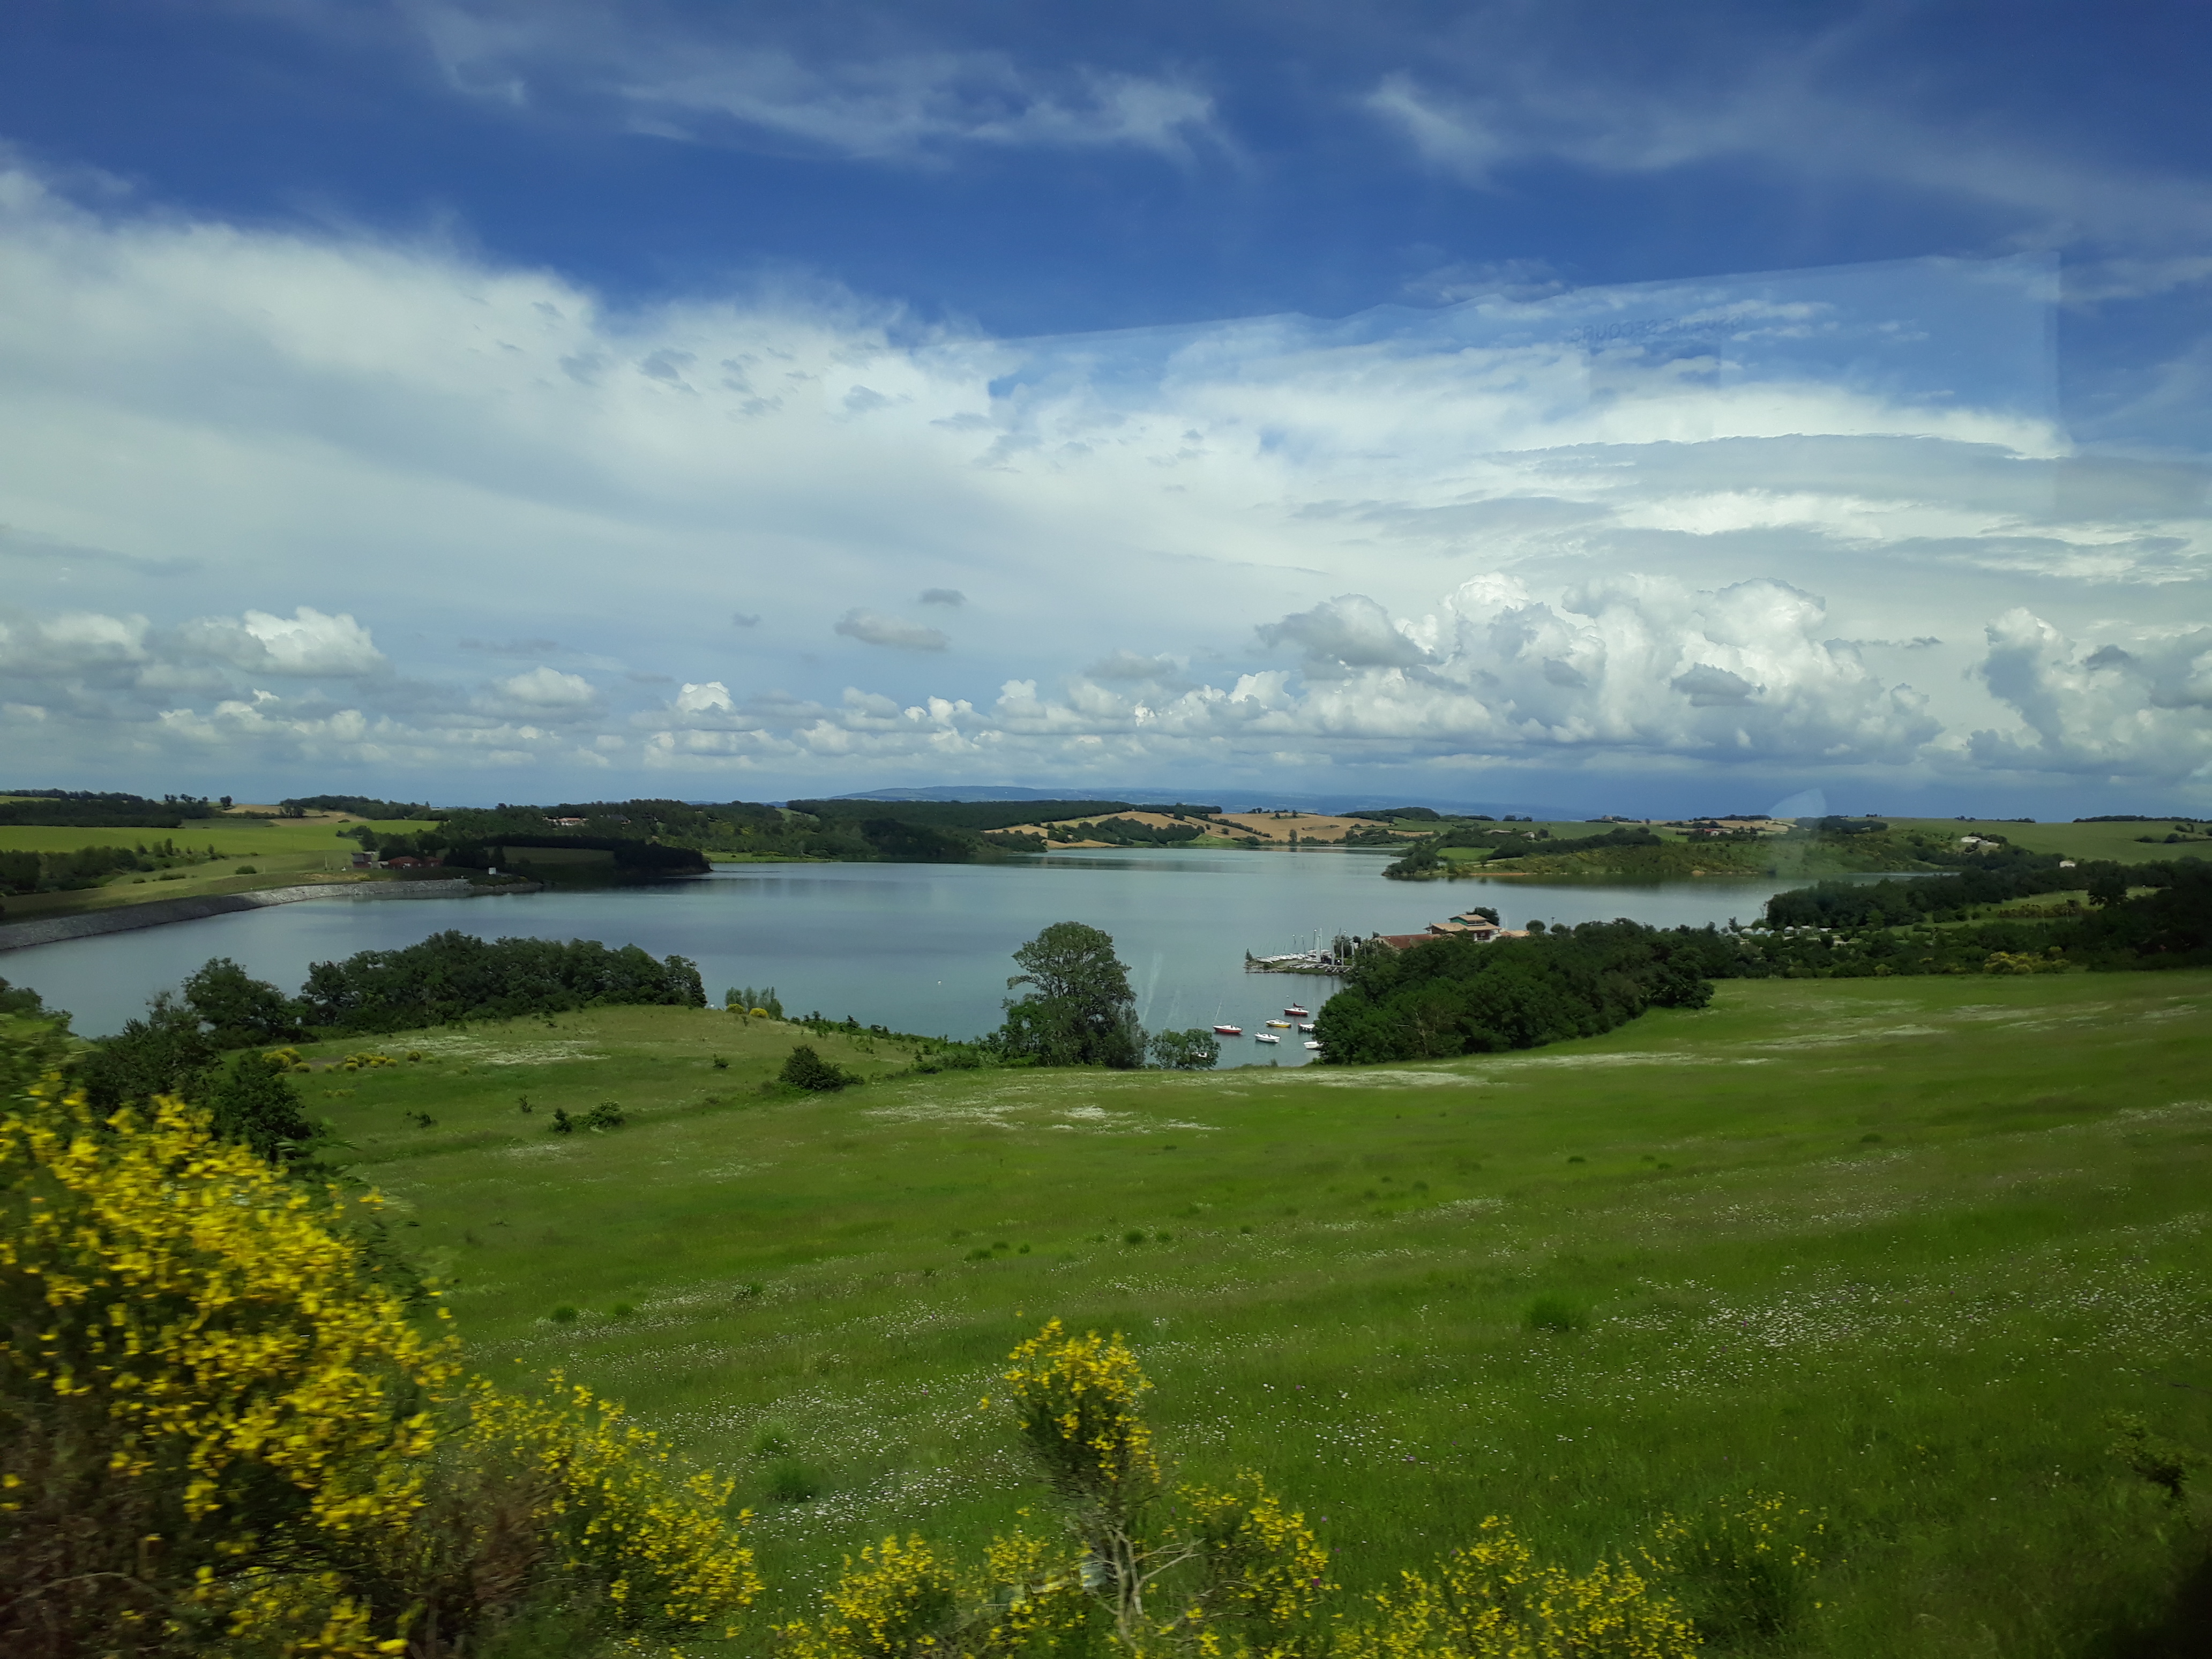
[(1454, 996), (85, 809), (455, 976)]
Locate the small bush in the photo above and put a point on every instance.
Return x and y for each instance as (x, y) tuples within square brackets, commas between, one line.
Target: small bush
[(1133, 1237), (1555, 1312), (562, 1123), (604, 1115), (563, 1315), (721, 1064), (2161, 1461), (790, 1481), (769, 1440), (245, 870), (1743, 1571), (807, 1070), (621, 1310)]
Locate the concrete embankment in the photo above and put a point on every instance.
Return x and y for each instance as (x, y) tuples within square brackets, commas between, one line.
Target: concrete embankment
[(53, 930)]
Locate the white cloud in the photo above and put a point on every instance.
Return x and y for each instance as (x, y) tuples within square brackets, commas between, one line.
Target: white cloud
[(723, 81), (1636, 667), (2138, 709), (701, 699), (548, 690), (873, 627), (71, 643), (1777, 112), (1437, 521), (1350, 631), (305, 643)]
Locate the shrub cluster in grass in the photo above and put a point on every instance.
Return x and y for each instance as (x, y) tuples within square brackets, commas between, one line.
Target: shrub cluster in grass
[(805, 1069), (88, 866), (604, 1115), (747, 1001)]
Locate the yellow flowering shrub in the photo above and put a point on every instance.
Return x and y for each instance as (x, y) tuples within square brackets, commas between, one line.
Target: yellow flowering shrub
[(622, 1514), (1075, 1406), (1261, 1563), (898, 1601), (192, 1365), (1033, 1596), (901, 1599), (1492, 1599), (220, 1435), (1746, 1568)]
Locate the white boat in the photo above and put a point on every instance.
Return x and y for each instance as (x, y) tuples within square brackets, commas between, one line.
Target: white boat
[(1267, 1036), (1307, 1026), (1314, 1047)]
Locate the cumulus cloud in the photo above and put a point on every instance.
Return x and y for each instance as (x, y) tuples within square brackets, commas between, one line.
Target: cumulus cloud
[(1351, 631), (2138, 709), (701, 699), (873, 627), (544, 694), (71, 643), (550, 470), (1643, 668), (305, 643)]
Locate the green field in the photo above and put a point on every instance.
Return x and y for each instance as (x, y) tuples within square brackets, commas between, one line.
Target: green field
[(1894, 1248), (283, 852), (1801, 858), (2116, 841), (255, 838)]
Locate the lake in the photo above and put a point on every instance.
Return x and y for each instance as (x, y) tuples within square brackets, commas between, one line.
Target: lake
[(918, 947)]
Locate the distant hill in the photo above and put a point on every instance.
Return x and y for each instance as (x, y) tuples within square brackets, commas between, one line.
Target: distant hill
[(1236, 798)]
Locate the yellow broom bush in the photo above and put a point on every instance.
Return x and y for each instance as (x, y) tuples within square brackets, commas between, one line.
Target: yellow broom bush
[(220, 1434)]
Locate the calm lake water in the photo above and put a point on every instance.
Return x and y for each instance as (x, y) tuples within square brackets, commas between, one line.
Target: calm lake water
[(917, 947)]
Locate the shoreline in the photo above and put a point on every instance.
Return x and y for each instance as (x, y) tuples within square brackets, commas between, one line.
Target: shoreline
[(156, 913)]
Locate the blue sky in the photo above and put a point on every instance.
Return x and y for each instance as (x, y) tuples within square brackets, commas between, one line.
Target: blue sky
[(1624, 407)]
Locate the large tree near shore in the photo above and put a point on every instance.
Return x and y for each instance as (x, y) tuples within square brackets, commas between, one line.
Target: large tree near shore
[(1079, 1009)]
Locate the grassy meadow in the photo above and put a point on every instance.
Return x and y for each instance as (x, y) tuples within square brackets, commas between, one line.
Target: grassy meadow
[(1897, 1249), (283, 852)]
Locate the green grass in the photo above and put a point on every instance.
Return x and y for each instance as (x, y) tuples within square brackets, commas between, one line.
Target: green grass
[(256, 838), (282, 853), (1896, 1249), (2115, 842)]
